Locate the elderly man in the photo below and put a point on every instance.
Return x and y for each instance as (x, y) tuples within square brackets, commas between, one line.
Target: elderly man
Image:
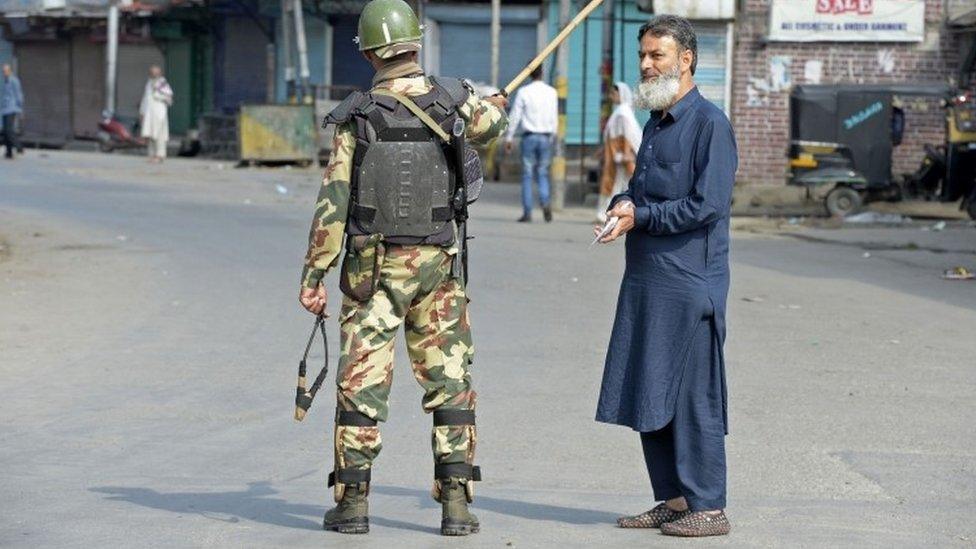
[(154, 110), (11, 106), (665, 374)]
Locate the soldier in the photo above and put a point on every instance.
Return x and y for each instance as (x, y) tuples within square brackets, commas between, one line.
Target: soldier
[(390, 188)]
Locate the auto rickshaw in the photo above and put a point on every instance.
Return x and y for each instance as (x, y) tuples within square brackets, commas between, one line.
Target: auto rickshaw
[(842, 138)]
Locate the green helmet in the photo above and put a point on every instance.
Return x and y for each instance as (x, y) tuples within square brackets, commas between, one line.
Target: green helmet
[(387, 22)]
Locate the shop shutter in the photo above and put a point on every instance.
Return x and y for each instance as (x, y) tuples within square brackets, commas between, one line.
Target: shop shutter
[(45, 73), (245, 64), (349, 68), (87, 85), (466, 50)]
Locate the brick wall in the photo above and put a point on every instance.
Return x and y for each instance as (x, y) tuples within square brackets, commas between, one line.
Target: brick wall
[(761, 117)]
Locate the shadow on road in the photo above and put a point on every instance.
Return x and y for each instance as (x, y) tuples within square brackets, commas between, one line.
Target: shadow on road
[(515, 508), (257, 503)]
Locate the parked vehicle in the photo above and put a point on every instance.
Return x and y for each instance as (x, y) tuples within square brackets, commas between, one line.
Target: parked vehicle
[(842, 138), (116, 133)]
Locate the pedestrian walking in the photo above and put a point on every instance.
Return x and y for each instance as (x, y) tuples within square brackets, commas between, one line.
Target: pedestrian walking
[(11, 107), (621, 141), (664, 374), (154, 112), (389, 192), (535, 114)]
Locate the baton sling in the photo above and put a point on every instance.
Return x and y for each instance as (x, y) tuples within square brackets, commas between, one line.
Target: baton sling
[(304, 397)]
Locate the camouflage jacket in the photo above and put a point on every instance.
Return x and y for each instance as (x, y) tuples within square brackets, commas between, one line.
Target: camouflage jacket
[(484, 122)]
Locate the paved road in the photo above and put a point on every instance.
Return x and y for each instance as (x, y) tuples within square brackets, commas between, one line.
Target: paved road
[(149, 333)]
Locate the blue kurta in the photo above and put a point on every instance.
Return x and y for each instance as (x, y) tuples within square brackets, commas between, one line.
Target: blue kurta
[(677, 273)]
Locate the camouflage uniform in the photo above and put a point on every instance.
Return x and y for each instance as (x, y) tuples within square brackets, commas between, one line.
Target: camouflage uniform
[(414, 287)]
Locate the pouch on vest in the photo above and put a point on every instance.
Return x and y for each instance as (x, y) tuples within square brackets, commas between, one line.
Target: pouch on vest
[(474, 178), (361, 266)]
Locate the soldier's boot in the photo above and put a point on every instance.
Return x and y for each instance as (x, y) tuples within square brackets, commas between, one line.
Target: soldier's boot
[(351, 513), (454, 482), (456, 520), (351, 484)]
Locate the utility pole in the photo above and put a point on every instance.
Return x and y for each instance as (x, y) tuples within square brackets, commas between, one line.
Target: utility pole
[(496, 30), (111, 55), (606, 65), (562, 91), (302, 50), (286, 53)]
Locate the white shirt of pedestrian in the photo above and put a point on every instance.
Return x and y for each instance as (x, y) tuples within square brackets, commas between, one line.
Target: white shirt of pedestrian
[(156, 99), (535, 110)]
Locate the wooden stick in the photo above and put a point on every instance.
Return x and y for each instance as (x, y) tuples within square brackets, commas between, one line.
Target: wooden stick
[(547, 51)]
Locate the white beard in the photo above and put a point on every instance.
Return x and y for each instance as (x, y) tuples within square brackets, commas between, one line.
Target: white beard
[(658, 94)]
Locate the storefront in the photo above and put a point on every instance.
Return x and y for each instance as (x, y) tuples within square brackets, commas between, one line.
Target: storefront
[(783, 43)]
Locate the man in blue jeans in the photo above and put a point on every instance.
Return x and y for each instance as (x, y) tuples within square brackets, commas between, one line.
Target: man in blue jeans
[(535, 113)]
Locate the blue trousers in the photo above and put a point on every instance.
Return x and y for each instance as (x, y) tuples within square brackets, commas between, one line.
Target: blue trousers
[(536, 156), (687, 457)]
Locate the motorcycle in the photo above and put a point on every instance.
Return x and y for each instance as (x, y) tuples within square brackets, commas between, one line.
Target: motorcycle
[(114, 133)]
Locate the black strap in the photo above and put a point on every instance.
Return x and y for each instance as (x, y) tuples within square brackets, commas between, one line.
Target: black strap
[(349, 476), (354, 419), (303, 396), (457, 470), (445, 213), (363, 213), (453, 417), (366, 214)]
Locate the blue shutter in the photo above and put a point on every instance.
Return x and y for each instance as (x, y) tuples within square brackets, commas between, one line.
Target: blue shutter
[(349, 67), (466, 50), (465, 40)]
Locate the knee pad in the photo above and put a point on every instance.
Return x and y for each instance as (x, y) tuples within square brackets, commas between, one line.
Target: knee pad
[(342, 475), (466, 472)]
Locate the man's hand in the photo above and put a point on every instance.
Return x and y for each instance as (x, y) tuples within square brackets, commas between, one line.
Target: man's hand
[(314, 299), (498, 100), (624, 210)]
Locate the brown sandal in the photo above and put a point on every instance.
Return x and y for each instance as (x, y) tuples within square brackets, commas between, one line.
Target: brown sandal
[(698, 524), (653, 518)]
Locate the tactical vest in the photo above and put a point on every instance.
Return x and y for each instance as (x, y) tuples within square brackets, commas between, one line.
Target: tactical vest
[(403, 179)]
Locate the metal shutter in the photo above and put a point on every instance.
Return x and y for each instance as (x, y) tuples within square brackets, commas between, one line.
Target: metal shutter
[(87, 85), (349, 68), (465, 50), (245, 66), (46, 78)]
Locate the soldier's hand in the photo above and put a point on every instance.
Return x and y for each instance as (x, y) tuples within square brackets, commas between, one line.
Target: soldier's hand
[(498, 100), (624, 210), (314, 299)]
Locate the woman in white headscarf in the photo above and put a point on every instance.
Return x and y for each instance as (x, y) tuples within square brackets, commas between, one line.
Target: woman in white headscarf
[(621, 141)]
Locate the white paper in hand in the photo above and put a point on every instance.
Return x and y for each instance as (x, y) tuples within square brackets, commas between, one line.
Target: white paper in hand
[(607, 227)]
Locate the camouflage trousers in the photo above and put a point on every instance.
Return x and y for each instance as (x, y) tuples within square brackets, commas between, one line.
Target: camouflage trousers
[(411, 286)]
